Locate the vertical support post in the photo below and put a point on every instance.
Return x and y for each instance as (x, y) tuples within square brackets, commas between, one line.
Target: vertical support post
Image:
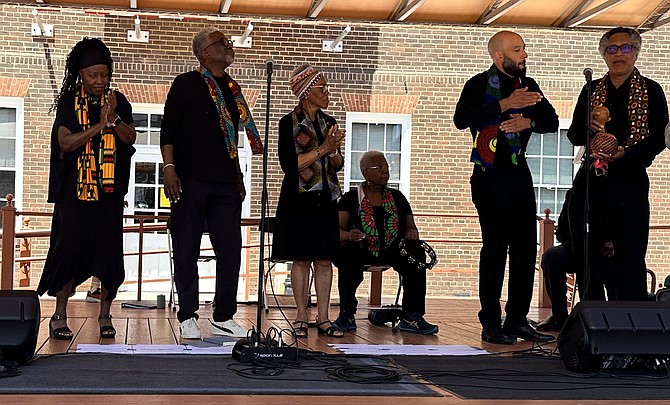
[(25, 250), (375, 295), (8, 213), (547, 229), (139, 260)]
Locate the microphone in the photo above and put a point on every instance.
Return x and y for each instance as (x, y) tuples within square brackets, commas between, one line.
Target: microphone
[(269, 64), (588, 74)]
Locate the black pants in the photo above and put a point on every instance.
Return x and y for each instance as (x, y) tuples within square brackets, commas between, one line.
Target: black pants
[(220, 205), (350, 262), (559, 260), (505, 204)]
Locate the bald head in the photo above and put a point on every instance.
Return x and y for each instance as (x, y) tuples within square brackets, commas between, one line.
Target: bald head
[(501, 40), (508, 52)]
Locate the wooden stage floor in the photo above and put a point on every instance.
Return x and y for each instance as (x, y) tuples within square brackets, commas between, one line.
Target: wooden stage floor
[(457, 319)]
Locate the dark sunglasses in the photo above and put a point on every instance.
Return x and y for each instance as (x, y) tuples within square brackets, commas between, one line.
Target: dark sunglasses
[(226, 42), (625, 48)]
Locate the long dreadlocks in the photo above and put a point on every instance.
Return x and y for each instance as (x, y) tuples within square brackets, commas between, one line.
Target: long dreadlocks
[(77, 60)]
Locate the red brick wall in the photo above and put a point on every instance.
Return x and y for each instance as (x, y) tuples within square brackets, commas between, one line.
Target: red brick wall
[(399, 68)]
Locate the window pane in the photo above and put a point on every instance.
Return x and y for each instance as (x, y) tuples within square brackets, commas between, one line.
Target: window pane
[(393, 160), (566, 147), (355, 167), (8, 122), (549, 169), (141, 120), (534, 165), (359, 137), (144, 197), (550, 144), (145, 173), (7, 152), (547, 199), (393, 137), (142, 136), (565, 172), (377, 137), (156, 137), (156, 120), (161, 176), (560, 199), (6, 183), (533, 147)]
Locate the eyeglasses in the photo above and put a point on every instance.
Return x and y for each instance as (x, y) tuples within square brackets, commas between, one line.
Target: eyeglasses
[(625, 48), (323, 87), (384, 168), (226, 42)]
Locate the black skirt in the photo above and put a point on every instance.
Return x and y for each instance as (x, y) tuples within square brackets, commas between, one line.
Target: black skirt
[(306, 228), (86, 240)]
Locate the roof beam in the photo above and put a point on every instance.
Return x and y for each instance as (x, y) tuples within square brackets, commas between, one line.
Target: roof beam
[(225, 6), (654, 19), (496, 11), (409, 8), (585, 16), (316, 8)]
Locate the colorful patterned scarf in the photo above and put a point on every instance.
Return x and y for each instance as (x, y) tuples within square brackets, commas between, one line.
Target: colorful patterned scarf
[(484, 145), (89, 178), (229, 130), (638, 106), (368, 225), (306, 139)]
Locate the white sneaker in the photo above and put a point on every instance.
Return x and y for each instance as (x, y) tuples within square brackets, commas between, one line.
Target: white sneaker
[(228, 328), (189, 329)]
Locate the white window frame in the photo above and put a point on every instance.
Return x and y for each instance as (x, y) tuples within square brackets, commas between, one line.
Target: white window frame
[(16, 103), (563, 124), (405, 120)]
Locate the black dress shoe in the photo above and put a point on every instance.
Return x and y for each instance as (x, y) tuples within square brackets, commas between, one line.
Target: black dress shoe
[(526, 332), (553, 323), (497, 337)]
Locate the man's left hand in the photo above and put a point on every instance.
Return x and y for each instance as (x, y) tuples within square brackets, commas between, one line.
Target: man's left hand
[(516, 123)]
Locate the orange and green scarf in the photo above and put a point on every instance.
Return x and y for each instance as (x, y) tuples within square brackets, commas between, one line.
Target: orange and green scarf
[(94, 173)]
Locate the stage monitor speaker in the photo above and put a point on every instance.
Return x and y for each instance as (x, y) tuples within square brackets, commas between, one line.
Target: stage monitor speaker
[(600, 334), (19, 324)]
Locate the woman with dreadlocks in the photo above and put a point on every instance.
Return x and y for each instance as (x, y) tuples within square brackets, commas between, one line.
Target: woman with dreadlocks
[(91, 147)]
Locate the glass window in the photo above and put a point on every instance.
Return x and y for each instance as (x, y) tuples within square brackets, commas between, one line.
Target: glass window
[(11, 150), (148, 128), (387, 133), (550, 158)]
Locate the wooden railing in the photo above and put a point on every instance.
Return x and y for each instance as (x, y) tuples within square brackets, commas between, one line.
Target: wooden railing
[(146, 223)]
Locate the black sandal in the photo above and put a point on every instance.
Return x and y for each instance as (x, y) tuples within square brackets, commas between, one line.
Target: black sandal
[(62, 333), (330, 331), (106, 331), (300, 329)]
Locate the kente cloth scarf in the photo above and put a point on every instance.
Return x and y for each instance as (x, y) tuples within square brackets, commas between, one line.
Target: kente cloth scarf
[(484, 146), (638, 106), (229, 130), (368, 225), (92, 173), (306, 139), (638, 112)]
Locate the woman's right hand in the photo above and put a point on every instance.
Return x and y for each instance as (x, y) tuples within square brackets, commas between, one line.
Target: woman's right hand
[(355, 235), (334, 139)]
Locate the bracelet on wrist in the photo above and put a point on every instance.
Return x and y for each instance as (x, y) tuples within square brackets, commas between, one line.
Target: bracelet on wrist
[(318, 152), (165, 166)]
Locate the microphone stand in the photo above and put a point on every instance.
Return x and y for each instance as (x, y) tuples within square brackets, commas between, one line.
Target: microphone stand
[(264, 204), (587, 162)]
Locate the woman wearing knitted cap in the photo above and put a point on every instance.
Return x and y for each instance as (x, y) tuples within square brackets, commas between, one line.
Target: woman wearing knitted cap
[(91, 147), (306, 229)]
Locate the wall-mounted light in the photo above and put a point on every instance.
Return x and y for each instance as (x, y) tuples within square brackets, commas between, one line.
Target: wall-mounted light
[(137, 35), (243, 41), (336, 45), (38, 29)]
